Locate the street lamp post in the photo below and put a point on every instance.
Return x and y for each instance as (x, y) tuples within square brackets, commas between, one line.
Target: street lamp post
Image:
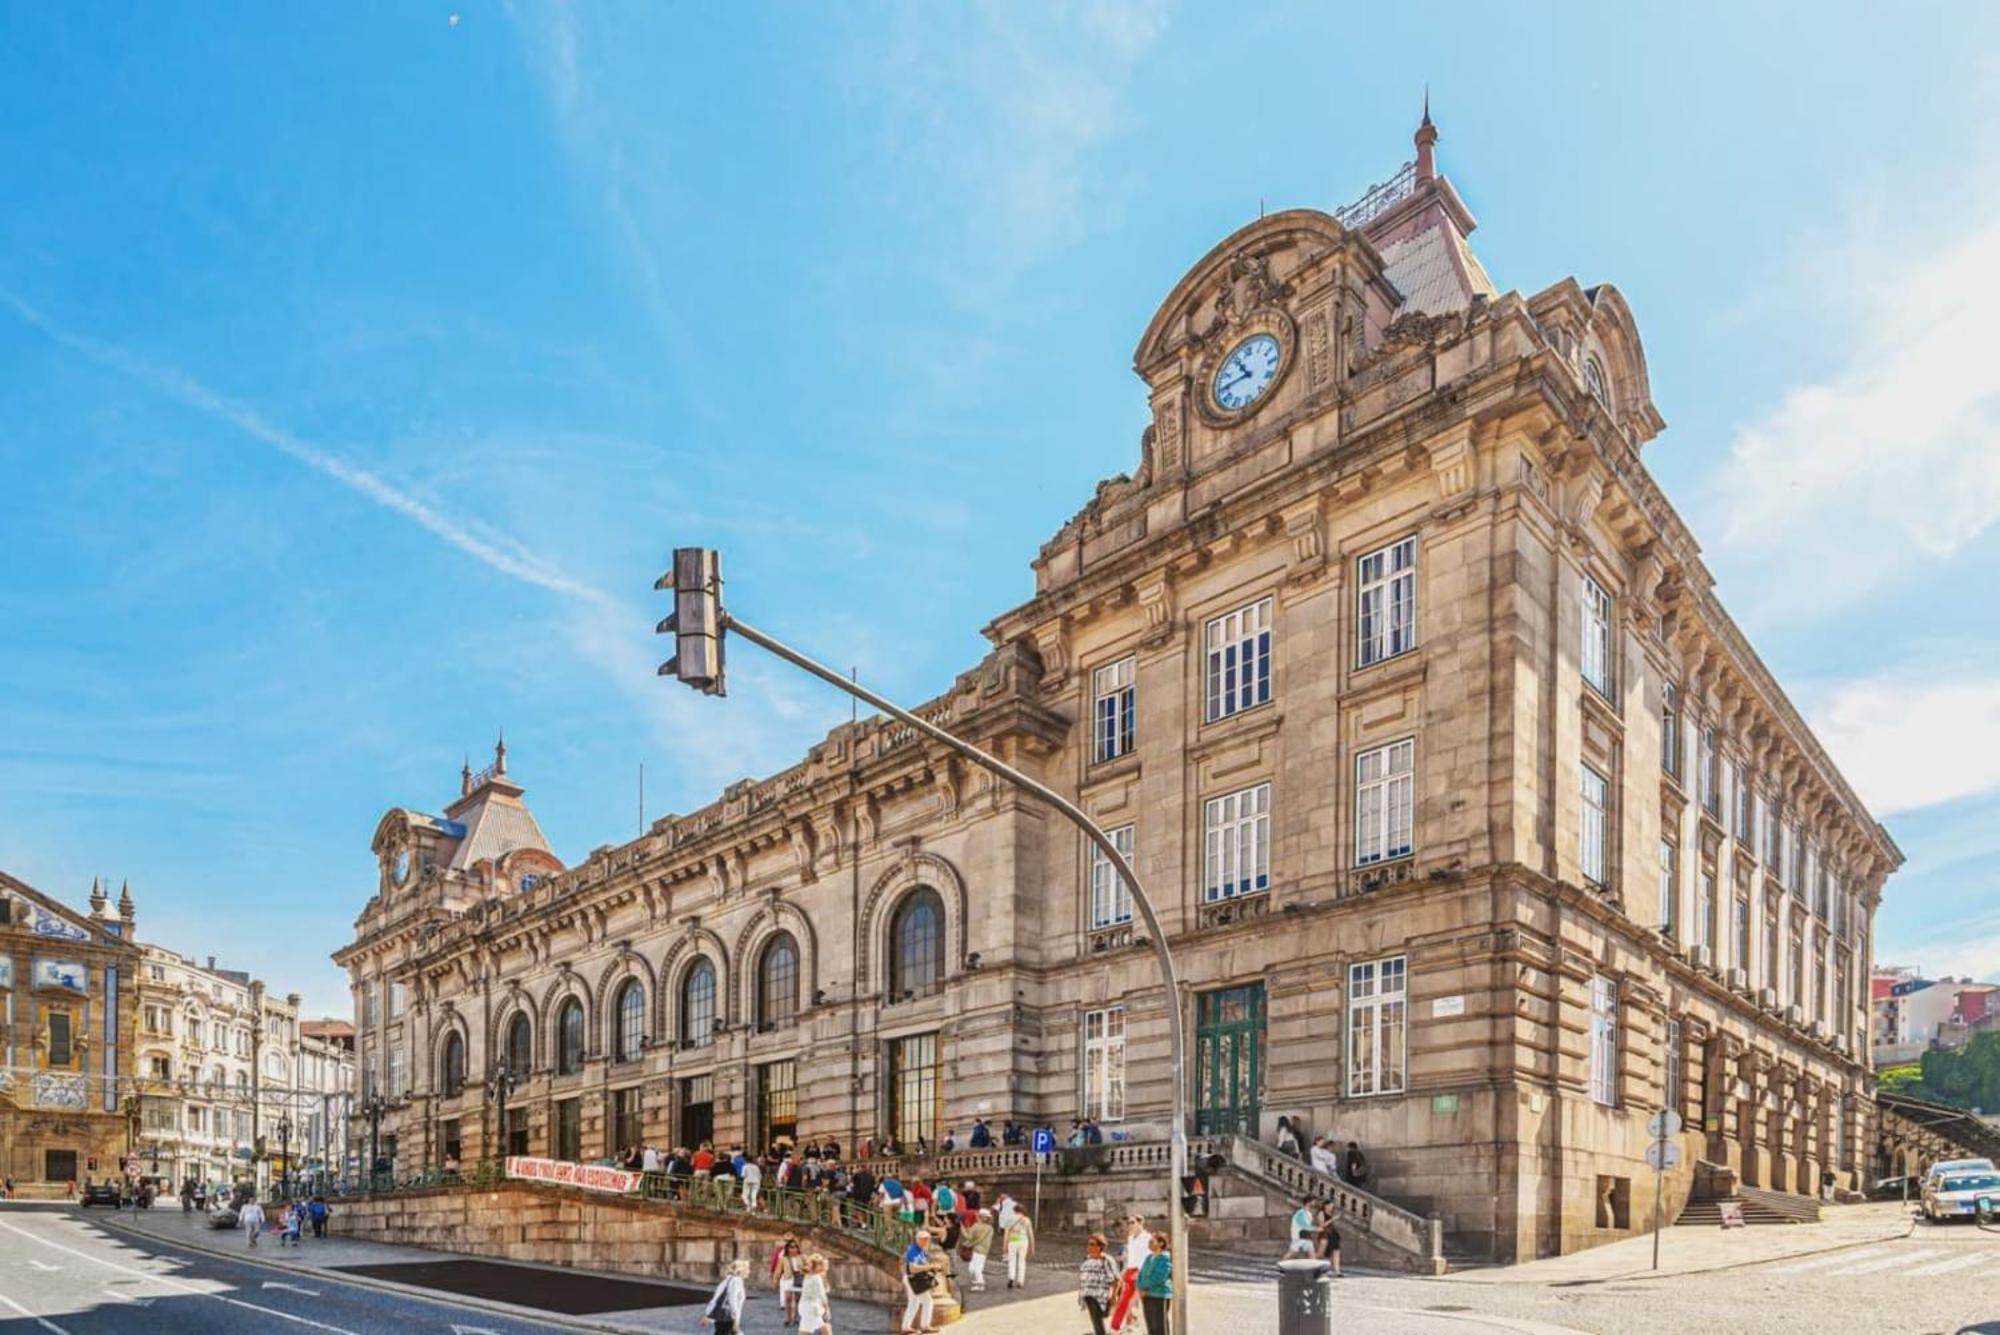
[(499, 1084), (285, 1157), (699, 623)]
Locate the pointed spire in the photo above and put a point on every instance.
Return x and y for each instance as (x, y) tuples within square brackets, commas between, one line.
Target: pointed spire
[(1427, 137), (465, 776), (500, 753), (125, 901), (97, 897)]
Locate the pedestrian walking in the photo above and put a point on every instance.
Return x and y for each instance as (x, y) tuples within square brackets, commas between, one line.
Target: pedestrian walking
[(1156, 1284), (919, 1279), (1096, 1281), (1288, 1138), (1134, 1256), (295, 1224), (1326, 1242), (753, 1182), (1300, 1241), (815, 1307), (975, 1247), (788, 1269), (317, 1211), (251, 1217), (725, 1305), (1020, 1235), (1357, 1166)]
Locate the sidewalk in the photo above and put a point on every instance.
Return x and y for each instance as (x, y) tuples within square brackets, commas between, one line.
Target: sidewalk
[(332, 1255), (1694, 1250)]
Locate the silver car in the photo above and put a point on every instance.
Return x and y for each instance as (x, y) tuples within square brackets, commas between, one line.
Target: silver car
[(1960, 1195)]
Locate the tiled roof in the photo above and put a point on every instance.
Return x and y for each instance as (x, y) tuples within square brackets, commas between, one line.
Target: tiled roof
[(1435, 271), (494, 827)]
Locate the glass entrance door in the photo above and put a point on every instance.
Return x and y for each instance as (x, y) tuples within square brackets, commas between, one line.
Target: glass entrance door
[(697, 1110), (1229, 1060)]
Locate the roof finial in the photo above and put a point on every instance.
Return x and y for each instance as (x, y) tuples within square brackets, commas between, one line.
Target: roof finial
[(97, 895), (125, 901), (465, 776), (1427, 137), (500, 753)]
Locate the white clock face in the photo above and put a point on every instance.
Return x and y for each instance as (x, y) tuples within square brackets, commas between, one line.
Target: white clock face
[(1246, 372), (402, 866)]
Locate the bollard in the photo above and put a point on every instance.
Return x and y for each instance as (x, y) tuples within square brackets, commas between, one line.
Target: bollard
[(1305, 1298)]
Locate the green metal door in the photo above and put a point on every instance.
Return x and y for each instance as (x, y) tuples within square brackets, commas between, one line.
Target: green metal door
[(1229, 1060)]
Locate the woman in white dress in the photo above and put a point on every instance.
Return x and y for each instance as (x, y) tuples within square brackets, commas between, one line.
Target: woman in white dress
[(815, 1308)]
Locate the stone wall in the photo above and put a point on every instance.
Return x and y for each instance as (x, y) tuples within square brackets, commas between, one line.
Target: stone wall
[(612, 1234)]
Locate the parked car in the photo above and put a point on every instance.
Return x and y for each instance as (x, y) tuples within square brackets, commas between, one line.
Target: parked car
[(1896, 1189), (1958, 1195), (102, 1193), (223, 1215), (1947, 1166)]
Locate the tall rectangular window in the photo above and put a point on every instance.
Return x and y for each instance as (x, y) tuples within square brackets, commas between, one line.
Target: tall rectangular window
[(61, 1050), (1110, 901), (626, 1127), (777, 1104), (1746, 808), (1596, 793), (1239, 660), (1774, 835), (569, 1130), (515, 1134), (399, 996), (1675, 1070), (1741, 944), (1385, 802), (916, 1096), (1386, 597), (1706, 908), (1104, 1064), (1597, 623), (1376, 1026), (1797, 995), (1670, 729), (1670, 887), (1237, 843), (1819, 961), (370, 1013), (1773, 965), (1604, 1041), (1114, 702), (1711, 774)]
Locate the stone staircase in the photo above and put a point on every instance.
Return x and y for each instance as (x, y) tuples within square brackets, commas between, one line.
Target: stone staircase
[(1716, 1186), (1253, 1189)]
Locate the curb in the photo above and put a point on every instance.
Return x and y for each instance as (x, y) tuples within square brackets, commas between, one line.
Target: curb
[(556, 1319), (1626, 1277)]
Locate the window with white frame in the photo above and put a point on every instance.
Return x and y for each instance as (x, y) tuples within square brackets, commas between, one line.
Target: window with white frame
[(1104, 1064), (1386, 601), (1385, 796), (369, 1012), (1674, 1066), (1377, 1023), (1774, 834), (1670, 729), (1594, 828), (1597, 623), (1670, 887), (1604, 1041), (1746, 808), (399, 998), (1114, 700), (1741, 933), (1706, 908), (1110, 900), (1237, 844), (1239, 660), (397, 1082), (1711, 774)]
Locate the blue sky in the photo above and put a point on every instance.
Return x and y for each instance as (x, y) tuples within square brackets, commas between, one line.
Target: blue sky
[(360, 369)]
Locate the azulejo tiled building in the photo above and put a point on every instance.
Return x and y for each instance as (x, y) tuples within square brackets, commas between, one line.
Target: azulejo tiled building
[(1480, 829)]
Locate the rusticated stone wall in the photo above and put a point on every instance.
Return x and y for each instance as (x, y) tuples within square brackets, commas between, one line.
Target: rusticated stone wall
[(612, 1234)]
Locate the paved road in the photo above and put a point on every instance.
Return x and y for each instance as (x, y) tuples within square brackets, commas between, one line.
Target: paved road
[(62, 1274)]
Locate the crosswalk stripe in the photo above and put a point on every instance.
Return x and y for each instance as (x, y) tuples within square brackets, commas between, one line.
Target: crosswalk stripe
[(1821, 1262), (1955, 1263), (1892, 1262)]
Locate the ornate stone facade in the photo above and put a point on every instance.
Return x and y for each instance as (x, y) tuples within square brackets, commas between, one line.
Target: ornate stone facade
[(1429, 732)]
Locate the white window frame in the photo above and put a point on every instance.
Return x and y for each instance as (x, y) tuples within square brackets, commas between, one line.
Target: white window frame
[(1675, 1068), (1705, 909), (1236, 843), (1114, 698), (1110, 900), (1378, 1027), (1228, 641), (1594, 825), (1709, 780), (1385, 802), (1670, 887), (1599, 619), (1604, 1041), (1670, 730), (1103, 1065), (1385, 602)]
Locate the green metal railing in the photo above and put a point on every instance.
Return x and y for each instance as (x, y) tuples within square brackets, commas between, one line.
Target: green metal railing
[(816, 1209), (485, 1173)]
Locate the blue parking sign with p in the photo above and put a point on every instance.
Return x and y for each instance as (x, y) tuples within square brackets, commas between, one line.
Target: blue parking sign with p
[(1045, 1141)]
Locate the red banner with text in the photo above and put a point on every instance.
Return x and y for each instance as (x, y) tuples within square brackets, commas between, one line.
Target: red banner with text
[(588, 1176)]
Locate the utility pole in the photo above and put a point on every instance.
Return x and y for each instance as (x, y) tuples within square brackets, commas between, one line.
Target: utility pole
[(699, 623)]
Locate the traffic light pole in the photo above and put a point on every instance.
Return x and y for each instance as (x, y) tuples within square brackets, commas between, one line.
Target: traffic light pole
[(1176, 1022)]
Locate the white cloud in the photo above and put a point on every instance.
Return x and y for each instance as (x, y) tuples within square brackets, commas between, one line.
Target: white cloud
[(1907, 741), (1893, 460)]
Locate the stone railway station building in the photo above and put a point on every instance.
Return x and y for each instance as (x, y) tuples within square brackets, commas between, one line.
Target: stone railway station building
[(1480, 830)]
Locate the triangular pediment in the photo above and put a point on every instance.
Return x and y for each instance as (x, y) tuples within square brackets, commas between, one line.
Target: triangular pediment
[(42, 915)]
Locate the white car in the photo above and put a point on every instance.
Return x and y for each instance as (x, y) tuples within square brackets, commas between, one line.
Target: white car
[(1958, 1195), (1948, 1166)]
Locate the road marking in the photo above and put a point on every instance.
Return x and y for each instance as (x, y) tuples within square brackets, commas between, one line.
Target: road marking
[(1955, 1263), (1821, 1262), (457, 1329), (171, 1283), (280, 1284), (43, 1323), (1893, 1262), (42, 1265)]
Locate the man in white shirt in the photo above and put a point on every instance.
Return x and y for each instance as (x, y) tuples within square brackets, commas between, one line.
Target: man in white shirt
[(1138, 1245), (753, 1182), (1324, 1160)]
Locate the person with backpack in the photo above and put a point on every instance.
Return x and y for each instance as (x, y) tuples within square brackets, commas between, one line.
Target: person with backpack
[(317, 1211), (725, 1305), (1356, 1166)]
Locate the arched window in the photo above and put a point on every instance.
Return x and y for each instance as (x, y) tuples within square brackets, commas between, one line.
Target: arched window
[(569, 1038), (630, 1034), (778, 982), (1593, 380), (698, 1005), (916, 944), (520, 1046), (451, 1079)]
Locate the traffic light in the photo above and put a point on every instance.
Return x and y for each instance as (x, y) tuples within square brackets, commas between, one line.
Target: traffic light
[(696, 621)]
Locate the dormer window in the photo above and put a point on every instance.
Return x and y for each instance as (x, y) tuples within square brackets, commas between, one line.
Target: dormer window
[(1593, 380)]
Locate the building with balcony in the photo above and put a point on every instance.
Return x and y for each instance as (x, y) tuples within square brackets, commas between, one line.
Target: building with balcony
[(1479, 828)]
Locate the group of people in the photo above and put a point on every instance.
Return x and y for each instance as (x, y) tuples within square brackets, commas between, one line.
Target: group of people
[(1142, 1279), (1324, 1154), (292, 1221)]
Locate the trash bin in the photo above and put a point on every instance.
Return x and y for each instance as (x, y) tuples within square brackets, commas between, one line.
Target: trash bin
[(1305, 1298)]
